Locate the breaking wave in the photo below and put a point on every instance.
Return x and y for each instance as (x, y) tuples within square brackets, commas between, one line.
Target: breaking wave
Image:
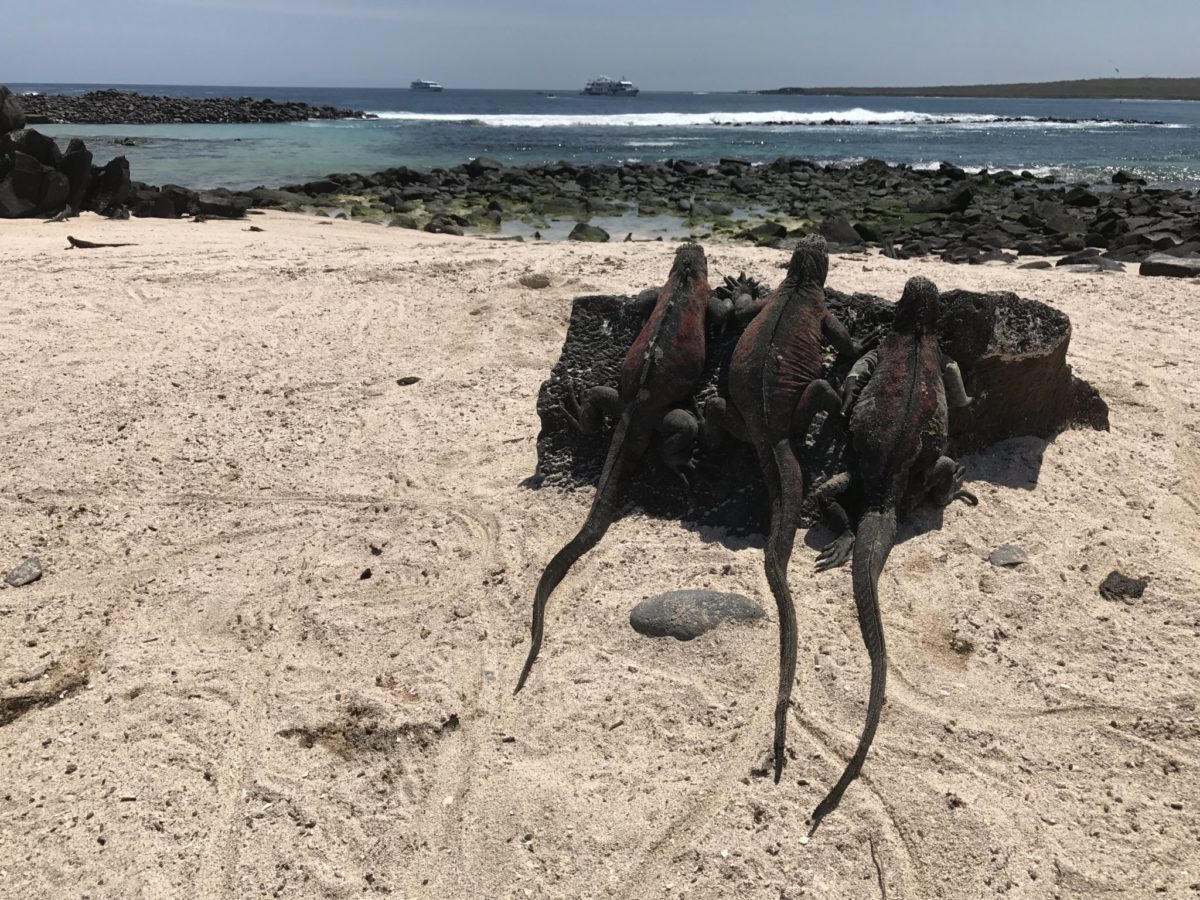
[(856, 117)]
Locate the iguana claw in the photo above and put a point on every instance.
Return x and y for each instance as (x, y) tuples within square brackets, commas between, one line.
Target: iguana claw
[(836, 553)]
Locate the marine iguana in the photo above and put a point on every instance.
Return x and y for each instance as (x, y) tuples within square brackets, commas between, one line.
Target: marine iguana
[(78, 244), (776, 387), (662, 371), (898, 431)]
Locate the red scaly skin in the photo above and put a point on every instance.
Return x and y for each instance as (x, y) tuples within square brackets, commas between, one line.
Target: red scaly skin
[(776, 387), (662, 371), (899, 431)]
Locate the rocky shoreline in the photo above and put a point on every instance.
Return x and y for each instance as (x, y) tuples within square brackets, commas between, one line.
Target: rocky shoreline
[(959, 216), (113, 107)]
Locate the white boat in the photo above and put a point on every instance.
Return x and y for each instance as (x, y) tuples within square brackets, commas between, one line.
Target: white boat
[(422, 85), (608, 87)]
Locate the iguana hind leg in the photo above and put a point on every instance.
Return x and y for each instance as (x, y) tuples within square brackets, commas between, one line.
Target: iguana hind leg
[(721, 419), (588, 416), (827, 498), (818, 397), (679, 430)]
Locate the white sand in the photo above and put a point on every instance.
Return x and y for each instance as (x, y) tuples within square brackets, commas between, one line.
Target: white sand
[(203, 436)]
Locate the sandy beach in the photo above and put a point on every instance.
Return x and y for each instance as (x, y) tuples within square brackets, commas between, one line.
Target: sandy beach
[(286, 600)]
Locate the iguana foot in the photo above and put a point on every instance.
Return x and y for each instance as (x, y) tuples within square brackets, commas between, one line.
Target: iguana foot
[(836, 553), (944, 483)]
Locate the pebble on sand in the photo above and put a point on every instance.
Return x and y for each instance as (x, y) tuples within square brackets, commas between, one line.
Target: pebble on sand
[(688, 614), (27, 572), (1008, 555)]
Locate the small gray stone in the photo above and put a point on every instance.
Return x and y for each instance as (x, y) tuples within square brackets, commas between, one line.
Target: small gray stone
[(26, 573), (689, 614), (537, 281), (1008, 555), (1037, 264)]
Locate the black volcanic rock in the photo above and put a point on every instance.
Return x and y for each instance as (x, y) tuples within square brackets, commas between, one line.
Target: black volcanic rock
[(77, 167), (147, 203), (222, 203), (37, 145), (1164, 264), (29, 189), (838, 230), (12, 115), (1012, 352), (183, 200), (127, 107), (110, 187)]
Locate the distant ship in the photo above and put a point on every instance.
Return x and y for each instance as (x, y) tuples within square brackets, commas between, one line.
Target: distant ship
[(421, 85), (607, 87)]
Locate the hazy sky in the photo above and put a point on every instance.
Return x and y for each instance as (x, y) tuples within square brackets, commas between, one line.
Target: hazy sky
[(697, 45)]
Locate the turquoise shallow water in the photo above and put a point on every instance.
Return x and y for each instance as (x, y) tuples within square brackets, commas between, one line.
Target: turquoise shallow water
[(523, 127)]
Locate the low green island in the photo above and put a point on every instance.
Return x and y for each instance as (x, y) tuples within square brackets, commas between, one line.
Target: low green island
[(1088, 88)]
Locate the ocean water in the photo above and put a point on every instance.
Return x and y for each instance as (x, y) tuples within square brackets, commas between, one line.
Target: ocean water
[(1159, 140)]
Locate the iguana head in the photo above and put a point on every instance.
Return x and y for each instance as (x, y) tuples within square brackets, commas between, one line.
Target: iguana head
[(810, 262), (917, 311), (690, 263)]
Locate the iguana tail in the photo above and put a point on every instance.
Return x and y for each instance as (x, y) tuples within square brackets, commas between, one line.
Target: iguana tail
[(872, 544), (628, 443), (785, 513)]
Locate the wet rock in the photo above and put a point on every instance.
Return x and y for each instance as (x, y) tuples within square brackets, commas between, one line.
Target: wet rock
[(688, 614), (482, 165), (1169, 266), (1081, 196), (585, 232), (1086, 255), (1008, 556), (27, 572), (838, 230), (1118, 587), (768, 233), (1123, 177), (442, 225)]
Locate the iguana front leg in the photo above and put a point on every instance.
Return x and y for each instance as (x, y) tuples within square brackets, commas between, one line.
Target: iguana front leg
[(952, 380), (856, 380)]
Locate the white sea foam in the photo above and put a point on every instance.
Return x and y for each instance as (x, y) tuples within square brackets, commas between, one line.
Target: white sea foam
[(856, 117)]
